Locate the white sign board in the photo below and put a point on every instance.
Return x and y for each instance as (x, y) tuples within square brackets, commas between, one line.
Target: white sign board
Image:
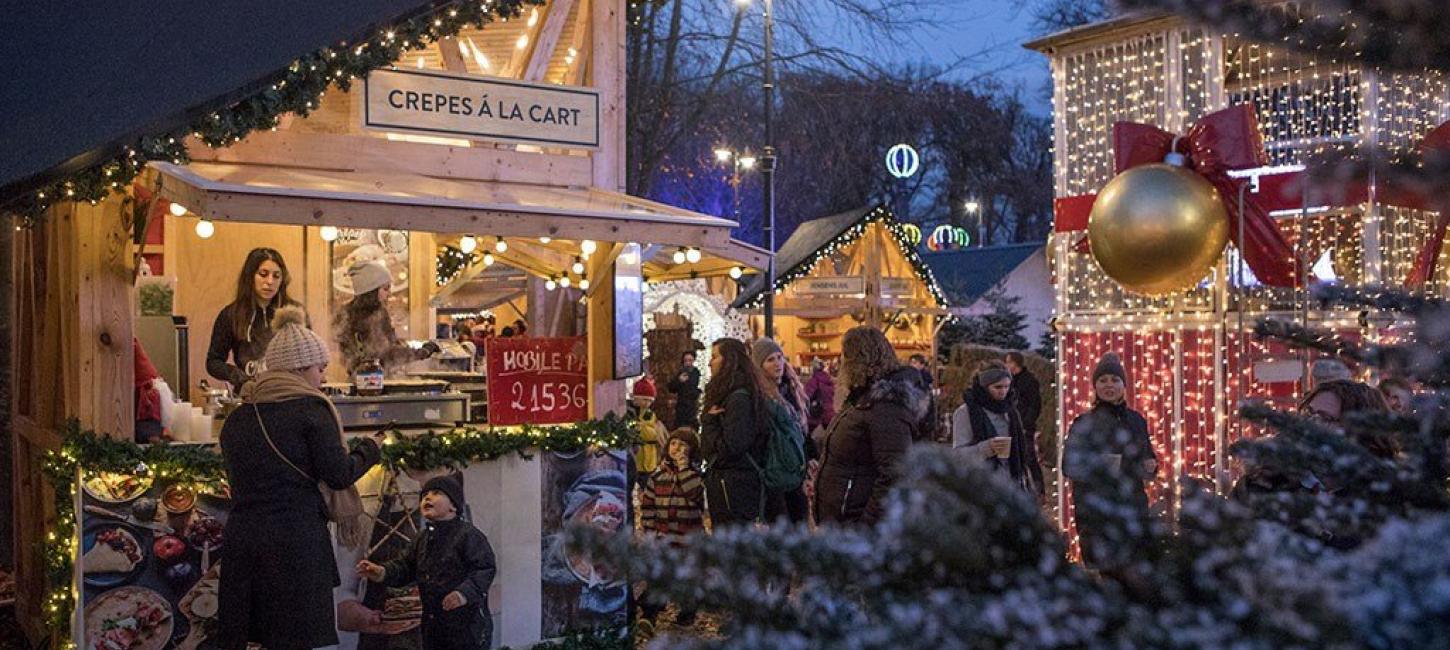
[(896, 286), (1269, 372), (830, 286), (448, 104)]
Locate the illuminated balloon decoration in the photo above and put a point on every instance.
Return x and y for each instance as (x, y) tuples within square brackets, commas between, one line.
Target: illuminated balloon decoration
[(912, 232), (902, 161), (948, 238)]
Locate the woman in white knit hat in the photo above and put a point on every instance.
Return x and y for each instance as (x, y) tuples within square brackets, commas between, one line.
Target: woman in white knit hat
[(364, 329), (290, 473)]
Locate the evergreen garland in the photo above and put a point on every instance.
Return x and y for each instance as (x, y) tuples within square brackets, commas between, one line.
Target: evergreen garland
[(451, 261), (295, 89), (86, 451)]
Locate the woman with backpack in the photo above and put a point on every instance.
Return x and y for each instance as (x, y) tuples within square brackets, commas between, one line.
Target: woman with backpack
[(734, 422), (770, 358), (864, 446)]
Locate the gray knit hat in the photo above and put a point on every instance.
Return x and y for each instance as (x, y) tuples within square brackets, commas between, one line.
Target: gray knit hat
[(294, 346), (1110, 365), (762, 348), (368, 276), (992, 372)]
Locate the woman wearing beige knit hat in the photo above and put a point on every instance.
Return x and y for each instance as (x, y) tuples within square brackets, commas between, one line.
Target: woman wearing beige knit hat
[(364, 329), (290, 474)]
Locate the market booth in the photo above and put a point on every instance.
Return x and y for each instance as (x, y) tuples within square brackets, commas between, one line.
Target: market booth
[(514, 202), (837, 272)]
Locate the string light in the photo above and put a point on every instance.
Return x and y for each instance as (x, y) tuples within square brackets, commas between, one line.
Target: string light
[(588, 247), (564, 281), (735, 273), (584, 284), (578, 266), (693, 255), (551, 284), (328, 233), (205, 229), (468, 244), (177, 209), (500, 245), (679, 256), (488, 259)]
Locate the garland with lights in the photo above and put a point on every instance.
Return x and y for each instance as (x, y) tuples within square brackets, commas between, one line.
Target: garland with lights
[(85, 450), (295, 89), (451, 261), (899, 233)]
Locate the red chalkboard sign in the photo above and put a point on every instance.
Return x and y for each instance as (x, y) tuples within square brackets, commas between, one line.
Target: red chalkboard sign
[(537, 380)]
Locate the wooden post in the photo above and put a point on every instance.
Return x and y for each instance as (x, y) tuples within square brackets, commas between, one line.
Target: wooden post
[(606, 72), (608, 392), (103, 354)]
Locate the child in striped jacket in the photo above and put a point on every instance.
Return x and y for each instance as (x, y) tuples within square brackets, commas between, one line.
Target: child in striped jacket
[(672, 503)]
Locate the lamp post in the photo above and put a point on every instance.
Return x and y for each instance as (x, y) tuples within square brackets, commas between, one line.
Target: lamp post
[(738, 162), (972, 209), (768, 166)]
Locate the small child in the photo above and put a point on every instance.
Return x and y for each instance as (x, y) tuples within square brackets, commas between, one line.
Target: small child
[(672, 503), (651, 431), (453, 564)]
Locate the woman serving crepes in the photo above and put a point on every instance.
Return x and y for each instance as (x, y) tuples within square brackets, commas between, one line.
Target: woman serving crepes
[(364, 330)]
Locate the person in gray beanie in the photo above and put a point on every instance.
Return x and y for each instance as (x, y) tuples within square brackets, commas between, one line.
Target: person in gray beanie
[(364, 328), (770, 358), (988, 427)]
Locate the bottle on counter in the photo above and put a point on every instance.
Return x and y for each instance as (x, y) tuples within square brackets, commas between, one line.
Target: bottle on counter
[(368, 378)]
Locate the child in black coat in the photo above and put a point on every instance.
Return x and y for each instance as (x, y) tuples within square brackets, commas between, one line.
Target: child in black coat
[(453, 564)]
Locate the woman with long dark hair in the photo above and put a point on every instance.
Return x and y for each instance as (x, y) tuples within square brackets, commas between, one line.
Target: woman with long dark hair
[(861, 454), (242, 330), (732, 431), (364, 329), (770, 358)]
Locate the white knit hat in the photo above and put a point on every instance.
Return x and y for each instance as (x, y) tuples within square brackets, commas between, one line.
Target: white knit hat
[(294, 346), (368, 276)]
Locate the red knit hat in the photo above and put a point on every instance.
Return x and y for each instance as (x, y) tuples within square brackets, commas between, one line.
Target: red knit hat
[(645, 387)]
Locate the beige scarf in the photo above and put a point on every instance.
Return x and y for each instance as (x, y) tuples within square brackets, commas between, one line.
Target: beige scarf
[(344, 507)]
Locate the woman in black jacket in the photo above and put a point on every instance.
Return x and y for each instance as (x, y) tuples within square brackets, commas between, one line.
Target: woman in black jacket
[(280, 569), (732, 432), (242, 329), (862, 452)]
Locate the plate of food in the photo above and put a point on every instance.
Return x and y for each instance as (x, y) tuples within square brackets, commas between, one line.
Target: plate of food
[(111, 555), (129, 618), (115, 488), (200, 606), (178, 498), (402, 613), (204, 532)]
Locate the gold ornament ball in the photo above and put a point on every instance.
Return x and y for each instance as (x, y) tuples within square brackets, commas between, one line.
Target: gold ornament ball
[(1159, 228)]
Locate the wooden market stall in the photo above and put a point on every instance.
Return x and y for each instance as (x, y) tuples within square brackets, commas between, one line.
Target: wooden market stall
[(536, 188), (849, 269)]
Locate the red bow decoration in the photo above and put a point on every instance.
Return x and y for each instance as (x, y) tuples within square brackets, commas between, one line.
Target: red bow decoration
[(1230, 140)]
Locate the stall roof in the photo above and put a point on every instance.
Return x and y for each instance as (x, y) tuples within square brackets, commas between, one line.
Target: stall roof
[(85, 77), (968, 274), (1093, 31), (402, 201)]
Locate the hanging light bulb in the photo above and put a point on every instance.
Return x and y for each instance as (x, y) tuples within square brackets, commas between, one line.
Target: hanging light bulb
[(178, 210), (564, 282), (551, 285), (735, 272), (588, 246), (500, 245), (488, 259), (468, 244), (584, 284), (328, 233), (693, 255), (578, 267), (545, 240), (205, 229), (679, 257)]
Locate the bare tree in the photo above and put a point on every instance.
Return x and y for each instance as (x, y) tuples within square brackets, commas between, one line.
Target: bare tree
[(1057, 15)]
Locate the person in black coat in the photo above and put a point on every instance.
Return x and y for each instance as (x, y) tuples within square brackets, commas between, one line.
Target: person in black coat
[(280, 569), (453, 565), (1027, 392), (686, 387), (242, 329), (1111, 440), (864, 446), (732, 432)]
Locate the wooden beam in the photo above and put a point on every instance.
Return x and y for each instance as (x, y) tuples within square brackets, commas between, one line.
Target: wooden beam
[(422, 269), (578, 46), (599, 264), (606, 72), (328, 151), (519, 57), (452, 56), (464, 277), (547, 39)]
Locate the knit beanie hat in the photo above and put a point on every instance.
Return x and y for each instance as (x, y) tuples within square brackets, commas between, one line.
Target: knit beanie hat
[(1328, 369), (762, 348), (369, 276), (591, 484), (645, 387), (1110, 365), (992, 372), (294, 346), (687, 436), (448, 487)]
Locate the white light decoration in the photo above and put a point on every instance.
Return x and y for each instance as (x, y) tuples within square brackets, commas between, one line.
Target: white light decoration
[(578, 267), (584, 284), (747, 162), (564, 282), (545, 240), (205, 229), (328, 233), (679, 256), (723, 155), (972, 206), (693, 256), (551, 285), (468, 244), (488, 259), (178, 210), (588, 247), (735, 272), (500, 245), (902, 161)]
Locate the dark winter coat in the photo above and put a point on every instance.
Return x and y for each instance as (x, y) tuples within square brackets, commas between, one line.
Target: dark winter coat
[(244, 349), (863, 448), (1129, 438), (820, 400), (280, 571), (728, 441), (449, 556), (1028, 393), (1022, 464), (686, 387)]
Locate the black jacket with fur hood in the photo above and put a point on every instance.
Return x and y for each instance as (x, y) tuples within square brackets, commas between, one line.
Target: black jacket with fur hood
[(864, 447)]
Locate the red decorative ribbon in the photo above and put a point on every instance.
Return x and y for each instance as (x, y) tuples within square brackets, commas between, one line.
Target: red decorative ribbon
[(1229, 140)]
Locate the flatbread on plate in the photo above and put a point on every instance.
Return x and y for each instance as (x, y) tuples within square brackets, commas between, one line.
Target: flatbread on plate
[(129, 618)]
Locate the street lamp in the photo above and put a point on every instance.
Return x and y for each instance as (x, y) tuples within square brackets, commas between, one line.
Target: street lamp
[(769, 167), (972, 207), (738, 162)]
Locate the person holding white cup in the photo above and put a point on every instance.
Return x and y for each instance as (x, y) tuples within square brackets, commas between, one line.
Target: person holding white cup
[(988, 427)]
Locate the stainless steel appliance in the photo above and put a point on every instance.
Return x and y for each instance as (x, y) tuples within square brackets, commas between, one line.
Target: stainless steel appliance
[(473, 384), (164, 338), (404, 402)]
